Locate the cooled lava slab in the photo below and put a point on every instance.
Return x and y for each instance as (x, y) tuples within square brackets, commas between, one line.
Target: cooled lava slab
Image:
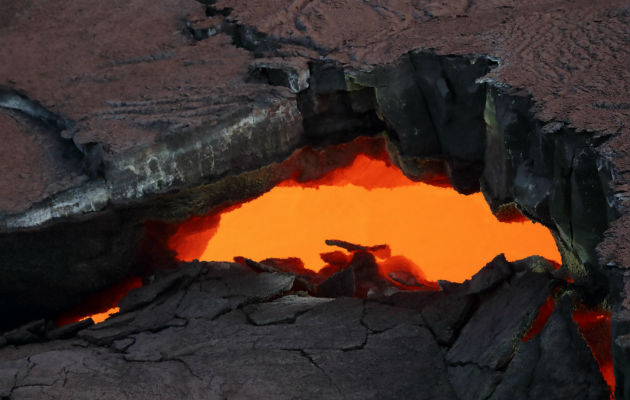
[(221, 330)]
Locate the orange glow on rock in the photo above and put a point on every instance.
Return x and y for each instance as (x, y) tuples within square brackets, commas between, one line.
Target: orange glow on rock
[(541, 319), (445, 234), (594, 326), (100, 317), (191, 239), (101, 305)]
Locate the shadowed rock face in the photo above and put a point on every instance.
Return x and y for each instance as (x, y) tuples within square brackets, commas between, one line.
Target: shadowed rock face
[(221, 330), (115, 114), (532, 373)]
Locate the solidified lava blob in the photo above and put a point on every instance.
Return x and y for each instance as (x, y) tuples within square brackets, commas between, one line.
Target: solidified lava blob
[(446, 235)]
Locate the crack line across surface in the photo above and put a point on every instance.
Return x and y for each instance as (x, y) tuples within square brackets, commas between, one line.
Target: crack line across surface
[(185, 364), (14, 100), (304, 354)]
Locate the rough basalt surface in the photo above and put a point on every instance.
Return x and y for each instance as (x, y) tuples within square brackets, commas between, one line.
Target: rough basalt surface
[(114, 114), (220, 330)]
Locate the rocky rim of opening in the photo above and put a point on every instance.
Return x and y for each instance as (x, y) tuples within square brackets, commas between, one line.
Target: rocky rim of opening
[(180, 107), (226, 330)]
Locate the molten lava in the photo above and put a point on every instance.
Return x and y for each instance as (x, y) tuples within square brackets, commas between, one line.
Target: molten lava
[(447, 235), (102, 316), (101, 305), (541, 320), (594, 326)]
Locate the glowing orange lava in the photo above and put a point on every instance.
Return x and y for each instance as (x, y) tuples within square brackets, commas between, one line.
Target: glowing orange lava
[(100, 317), (99, 306), (594, 325), (448, 235), (539, 323)]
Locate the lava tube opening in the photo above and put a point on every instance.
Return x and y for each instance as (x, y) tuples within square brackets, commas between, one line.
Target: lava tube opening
[(446, 235)]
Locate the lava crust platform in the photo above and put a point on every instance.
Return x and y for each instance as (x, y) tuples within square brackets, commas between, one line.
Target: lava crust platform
[(221, 330)]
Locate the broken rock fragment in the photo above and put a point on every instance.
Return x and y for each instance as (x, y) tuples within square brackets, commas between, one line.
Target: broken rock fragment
[(556, 364)]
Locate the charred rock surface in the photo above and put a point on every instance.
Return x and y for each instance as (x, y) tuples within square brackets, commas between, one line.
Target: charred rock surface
[(221, 330)]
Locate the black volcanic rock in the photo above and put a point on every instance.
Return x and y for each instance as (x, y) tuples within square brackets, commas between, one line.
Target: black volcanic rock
[(488, 339), (211, 336), (489, 277), (284, 309), (146, 294), (445, 314), (32, 332), (473, 382), (340, 284), (423, 92), (69, 330), (381, 317), (394, 357), (543, 367)]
